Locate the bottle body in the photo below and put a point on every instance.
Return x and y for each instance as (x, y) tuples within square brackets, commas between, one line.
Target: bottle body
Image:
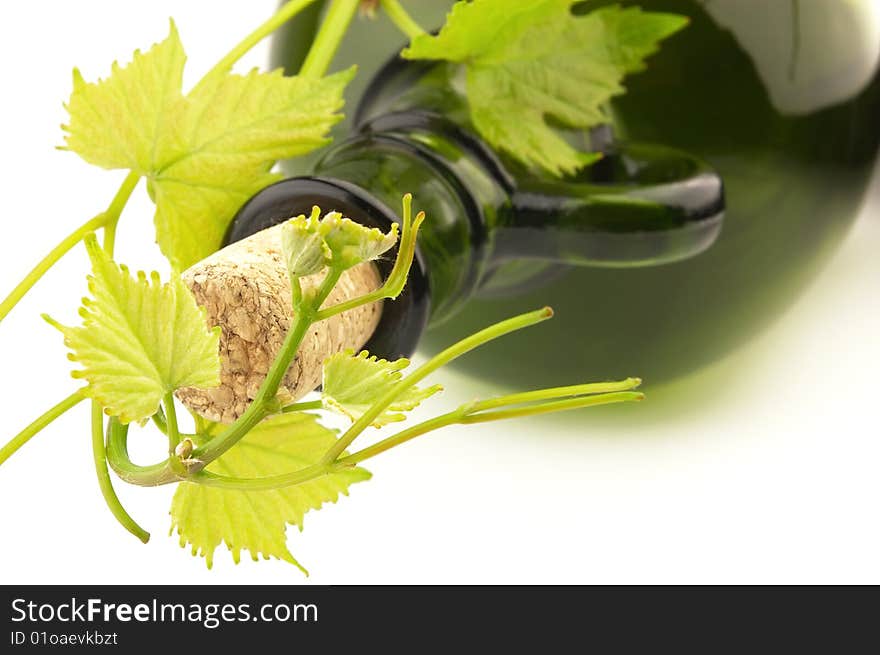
[(795, 165)]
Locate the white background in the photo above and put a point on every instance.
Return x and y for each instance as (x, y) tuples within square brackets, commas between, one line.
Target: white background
[(774, 479)]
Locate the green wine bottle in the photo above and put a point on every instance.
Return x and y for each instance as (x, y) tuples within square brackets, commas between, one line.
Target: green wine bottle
[(780, 99)]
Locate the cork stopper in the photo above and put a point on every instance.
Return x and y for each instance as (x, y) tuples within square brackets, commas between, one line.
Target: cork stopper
[(246, 291)]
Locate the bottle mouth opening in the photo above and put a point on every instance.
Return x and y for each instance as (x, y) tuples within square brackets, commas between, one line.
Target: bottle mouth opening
[(404, 318)]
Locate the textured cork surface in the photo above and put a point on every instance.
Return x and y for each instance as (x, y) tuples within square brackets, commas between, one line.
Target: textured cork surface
[(246, 291)]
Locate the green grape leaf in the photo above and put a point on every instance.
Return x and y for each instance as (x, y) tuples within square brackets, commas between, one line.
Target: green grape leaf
[(256, 521), (352, 243), (242, 121), (352, 383), (124, 121), (310, 244), (234, 130), (139, 340), (530, 61), (203, 154), (193, 213)]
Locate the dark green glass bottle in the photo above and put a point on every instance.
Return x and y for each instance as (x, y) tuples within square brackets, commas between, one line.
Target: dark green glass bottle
[(780, 98)]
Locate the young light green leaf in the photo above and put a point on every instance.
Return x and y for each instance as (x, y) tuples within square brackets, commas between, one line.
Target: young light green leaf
[(140, 339), (206, 517), (352, 383), (529, 61), (312, 243), (352, 243), (123, 121), (303, 245)]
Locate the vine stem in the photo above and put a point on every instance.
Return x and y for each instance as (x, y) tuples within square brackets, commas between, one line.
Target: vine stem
[(440, 359), (463, 415), (48, 261), (117, 456), (106, 219), (114, 211), (330, 34), (171, 422), (30, 431), (302, 407), (100, 457), (173, 434), (403, 436), (284, 14), (159, 420), (401, 19), (555, 393), (554, 406), (268, 483)]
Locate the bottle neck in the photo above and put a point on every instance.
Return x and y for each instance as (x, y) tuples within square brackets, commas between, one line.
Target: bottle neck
[(451, 181)]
